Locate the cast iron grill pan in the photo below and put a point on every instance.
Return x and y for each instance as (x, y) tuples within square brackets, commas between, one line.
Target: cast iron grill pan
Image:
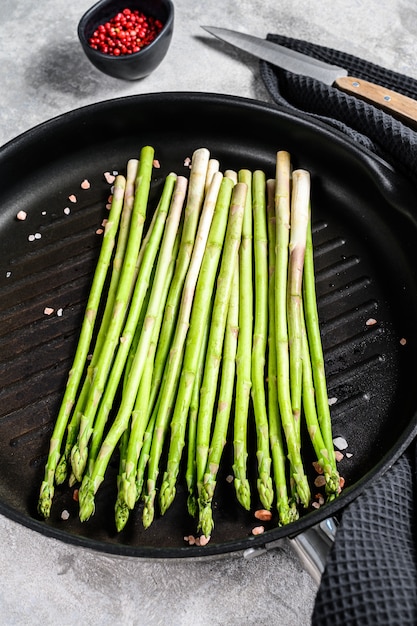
[(364, 231)]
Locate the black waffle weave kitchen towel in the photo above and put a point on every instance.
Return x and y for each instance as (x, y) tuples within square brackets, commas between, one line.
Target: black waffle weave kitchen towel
[(373, 128), (371, 572)]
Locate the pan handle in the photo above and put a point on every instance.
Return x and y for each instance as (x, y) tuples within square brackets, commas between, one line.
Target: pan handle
[(313, 546)]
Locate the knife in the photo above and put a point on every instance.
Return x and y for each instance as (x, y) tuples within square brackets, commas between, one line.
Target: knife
[(399, 106)]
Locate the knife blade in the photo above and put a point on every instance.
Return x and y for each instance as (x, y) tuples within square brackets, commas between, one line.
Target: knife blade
[(399, 106)]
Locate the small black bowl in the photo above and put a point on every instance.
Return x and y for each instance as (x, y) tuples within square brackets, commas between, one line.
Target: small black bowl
[(138, 64)]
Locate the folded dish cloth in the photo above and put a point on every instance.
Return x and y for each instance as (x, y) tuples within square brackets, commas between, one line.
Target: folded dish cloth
[(371, 573), (373, 128)]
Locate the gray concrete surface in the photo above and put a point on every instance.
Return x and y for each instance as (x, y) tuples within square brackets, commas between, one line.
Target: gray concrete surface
[(44, 73)]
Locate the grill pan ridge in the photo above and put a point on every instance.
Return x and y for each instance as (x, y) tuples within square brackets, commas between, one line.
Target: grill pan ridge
[(364, 231)]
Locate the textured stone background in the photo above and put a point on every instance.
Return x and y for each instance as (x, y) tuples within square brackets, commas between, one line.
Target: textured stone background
[(43, 73)]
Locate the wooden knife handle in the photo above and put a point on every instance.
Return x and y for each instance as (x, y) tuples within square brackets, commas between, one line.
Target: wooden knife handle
[(399, 106)]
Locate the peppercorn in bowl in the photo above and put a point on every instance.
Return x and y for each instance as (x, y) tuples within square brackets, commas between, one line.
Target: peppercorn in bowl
[(127, 39)]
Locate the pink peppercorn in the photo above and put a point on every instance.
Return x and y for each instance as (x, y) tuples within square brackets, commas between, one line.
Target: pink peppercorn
[(125, 33)]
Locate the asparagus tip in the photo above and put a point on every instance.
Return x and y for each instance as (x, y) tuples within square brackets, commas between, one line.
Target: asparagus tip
[(149, 509), (61, 470), (167, 493), (266, 491), (86, 499), (78, 461), (45, 499), (121, 511), (205, 523)]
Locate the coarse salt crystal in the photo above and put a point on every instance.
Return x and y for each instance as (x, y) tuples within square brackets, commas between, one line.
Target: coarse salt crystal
[(31, 237), (110, 178), (99, 231), (38, 236), (156, 163), (21, 215), (229, 478), (60, 312), (187, 162), (263, 515), (258, 530), (403, 341), (8, 274), (320, 481), (332, 401), (65, 515), (204, 540), (340, 443), (371, 322), (349, 455), (72, 198), (67, 210), (48, 310), (338, 455), (85, 184)]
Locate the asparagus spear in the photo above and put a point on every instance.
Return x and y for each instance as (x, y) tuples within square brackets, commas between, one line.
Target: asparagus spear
[(300, 198), (127, 491), (173, 195), (200, 164), (287, 510), (260, 330), (79, 451), (74, 423), (83, 346), (190, 473), (316, 370), (224, 405), (325, 457), (206, 265), (217, 328), (316, 348), (192, 346), (91, 483), (282, 209), (244, 351)]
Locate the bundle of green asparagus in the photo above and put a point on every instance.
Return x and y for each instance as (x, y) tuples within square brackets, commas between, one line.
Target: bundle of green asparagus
[(197, 327)]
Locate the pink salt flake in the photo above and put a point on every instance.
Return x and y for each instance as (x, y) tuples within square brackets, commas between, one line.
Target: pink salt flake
[(317, 467), (21, 215), (187, 162), (190, 539), (320, 481), (204, 540), (338, 455), (85, 184), (72, 198), (263, 515), (403, 341), (48, 310), (110, 178), (371, 322), (156, 163), (99, 231), (258, 530)]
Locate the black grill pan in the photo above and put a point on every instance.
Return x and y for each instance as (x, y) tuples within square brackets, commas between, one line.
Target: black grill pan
[(365, 236)]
